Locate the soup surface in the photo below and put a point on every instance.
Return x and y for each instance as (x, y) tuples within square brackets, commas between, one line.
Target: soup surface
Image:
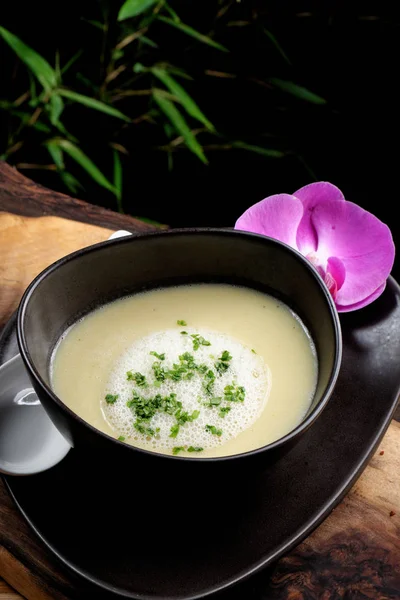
[(196, 370)]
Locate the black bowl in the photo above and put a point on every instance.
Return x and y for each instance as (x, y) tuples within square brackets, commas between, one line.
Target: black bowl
[(80, 282)]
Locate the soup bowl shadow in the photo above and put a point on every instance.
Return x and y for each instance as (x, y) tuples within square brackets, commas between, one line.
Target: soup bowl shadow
[(79, 283)]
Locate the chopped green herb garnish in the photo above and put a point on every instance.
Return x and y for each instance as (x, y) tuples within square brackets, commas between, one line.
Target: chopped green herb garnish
[(208, 384), (174, 430), (183, 323), (142, 427), (214, 430), (216, 401), (183, 417), (253, 351), (195, 449), (138, 378), (222, 364), (110, 399), (234, 393), (184, 333), (159, 356), (177, 449), (198, 341), (224, 411), (121, 438), (158, 371)]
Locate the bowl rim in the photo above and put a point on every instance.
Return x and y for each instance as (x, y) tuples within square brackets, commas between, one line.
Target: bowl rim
[(202, 231)]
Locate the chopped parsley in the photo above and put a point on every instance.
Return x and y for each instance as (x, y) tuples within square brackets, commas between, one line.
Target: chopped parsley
[(198, 341), (208, 384), (253, 351), (224, 411), (158, 371), (138, 378), (174, 430), (234, 393), (214, 430), (222, 364), (121, 438), (143, 428), (159, 356), (110, 399), (216, 401), (145, 405), (183, 323)]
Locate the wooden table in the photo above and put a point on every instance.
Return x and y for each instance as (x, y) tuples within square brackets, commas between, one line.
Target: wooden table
[(354, 554)]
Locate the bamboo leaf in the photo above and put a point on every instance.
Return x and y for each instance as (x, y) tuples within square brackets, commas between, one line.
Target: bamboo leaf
[(92, 103), (259, 150), (96, 24), (173, 14), (187, 102), (297, 90), (70, 181), (71, 61), (56, 154), (173, 114), (192, 32), (132, 8), (84, 161), (38, 65), (277, 45), (56, 106), (26, 117), (145, 40), (118, 180)]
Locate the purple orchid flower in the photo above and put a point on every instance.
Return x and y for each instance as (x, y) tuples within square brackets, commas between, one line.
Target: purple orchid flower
[(351, 249)]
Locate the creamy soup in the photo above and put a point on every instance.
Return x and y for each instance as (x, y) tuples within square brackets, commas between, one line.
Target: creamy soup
[(198, 370)]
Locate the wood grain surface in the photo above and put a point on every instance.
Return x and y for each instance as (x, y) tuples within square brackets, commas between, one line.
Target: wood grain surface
[(19, 195), (353, 555)]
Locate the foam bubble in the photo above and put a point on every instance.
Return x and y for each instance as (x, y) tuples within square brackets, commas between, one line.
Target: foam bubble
[(246, 369)]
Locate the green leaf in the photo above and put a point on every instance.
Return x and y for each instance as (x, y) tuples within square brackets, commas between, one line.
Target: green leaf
[(172, 13), (118, 180), (56, 106), (173, 114), (187, 102), (71, 61), (94, 23), (84, 161), (132, 8), (26, 117), (70, 181), (36, 63), (148, 41), (92, 103), (56, 154), (297, 90), (32, 89), (192, 32), (277, 45), (259, 150)]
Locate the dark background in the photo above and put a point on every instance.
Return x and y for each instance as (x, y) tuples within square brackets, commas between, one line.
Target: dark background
[(346, 52)]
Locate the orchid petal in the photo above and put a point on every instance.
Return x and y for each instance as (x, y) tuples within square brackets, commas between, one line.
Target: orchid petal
[(363, 244), (337, 270), (277, 216), (363, 302), (311, 195)]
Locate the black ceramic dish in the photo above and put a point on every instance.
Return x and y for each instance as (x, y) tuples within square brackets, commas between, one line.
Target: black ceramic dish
[(213, 548), (88, 278)]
